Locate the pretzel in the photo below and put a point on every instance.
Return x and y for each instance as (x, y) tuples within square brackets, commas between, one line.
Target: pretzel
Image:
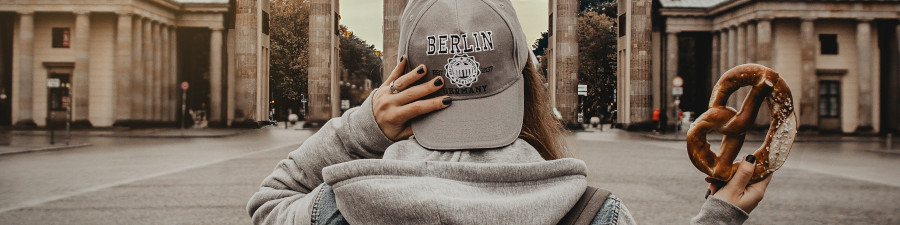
[(766, 85)]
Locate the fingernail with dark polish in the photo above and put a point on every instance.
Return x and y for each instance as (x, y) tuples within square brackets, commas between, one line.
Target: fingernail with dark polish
[(447, 101), (438, 82), (707, 194), (421, 70), (751, 158), (402, 58)]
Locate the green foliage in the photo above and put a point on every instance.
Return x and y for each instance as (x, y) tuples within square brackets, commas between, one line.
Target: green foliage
[(360, 63), (597, 58), (596, 55), (539, 48), (288, 63), (540, 45), (605, 7), (289, 60)]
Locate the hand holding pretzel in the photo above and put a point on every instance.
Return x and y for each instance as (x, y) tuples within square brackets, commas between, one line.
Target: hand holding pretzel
[(766, 85)]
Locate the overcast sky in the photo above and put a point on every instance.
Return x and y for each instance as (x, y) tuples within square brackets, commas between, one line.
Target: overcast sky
[(364, 18)]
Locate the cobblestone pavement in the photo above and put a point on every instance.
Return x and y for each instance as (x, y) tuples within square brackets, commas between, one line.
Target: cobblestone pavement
[(821, 183), (205, 180)]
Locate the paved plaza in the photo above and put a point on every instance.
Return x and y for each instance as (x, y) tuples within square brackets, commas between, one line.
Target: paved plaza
[(129, 179)]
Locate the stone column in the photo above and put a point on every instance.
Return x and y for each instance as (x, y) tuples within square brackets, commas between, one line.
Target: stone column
[(81, 82), (565, 47), (23, 97), (157, 72), (391, 28), (751, 43), (723, 52), (764, 42), (732, 47), (714, 70), (150, 76), (164, 74), (736, 100), (147, 77), (671, 73), (808, 110), (215, 75), (741, 44), (760, 46), (123, 67), (173, 76), (732, 61), (864, 43), (322, 46), (137, 68)]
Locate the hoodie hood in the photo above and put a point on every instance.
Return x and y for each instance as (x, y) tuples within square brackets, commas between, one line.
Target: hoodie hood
[(414, 185)]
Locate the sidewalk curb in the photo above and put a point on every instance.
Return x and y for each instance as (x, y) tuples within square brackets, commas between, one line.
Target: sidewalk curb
[(47, 148)]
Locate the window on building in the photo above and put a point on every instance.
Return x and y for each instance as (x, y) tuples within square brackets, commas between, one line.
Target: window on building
[(622, 25), (61, 37), (829, 44), (829, 99), (265, 23)]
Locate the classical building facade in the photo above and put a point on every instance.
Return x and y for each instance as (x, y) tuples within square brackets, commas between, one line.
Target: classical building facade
[(840, 57), (121, 62)]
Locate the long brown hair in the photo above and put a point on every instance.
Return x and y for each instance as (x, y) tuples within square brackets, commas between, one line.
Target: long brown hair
[(539, 127)]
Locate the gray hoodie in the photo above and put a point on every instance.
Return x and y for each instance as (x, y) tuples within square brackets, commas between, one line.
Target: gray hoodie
[(378, 181)]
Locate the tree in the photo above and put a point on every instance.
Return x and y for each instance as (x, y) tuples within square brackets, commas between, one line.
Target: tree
[(289, 35), (597, 56), (540, 51), (541, 44), (360, 63), (604, 7), (289, 62)]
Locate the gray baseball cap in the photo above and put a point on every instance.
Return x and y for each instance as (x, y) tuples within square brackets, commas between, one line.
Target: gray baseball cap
[(479, 48)]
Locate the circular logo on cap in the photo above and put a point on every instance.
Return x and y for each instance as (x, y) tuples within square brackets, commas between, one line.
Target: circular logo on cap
[(462, 70)]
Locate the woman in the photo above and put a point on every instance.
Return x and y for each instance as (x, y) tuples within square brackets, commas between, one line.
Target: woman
[(465, 137)]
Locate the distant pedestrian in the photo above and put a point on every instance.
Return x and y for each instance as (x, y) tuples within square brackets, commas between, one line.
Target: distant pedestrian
[(656, 120), (483, 150)]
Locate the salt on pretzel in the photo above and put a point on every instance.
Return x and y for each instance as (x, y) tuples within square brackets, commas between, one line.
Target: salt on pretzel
[(766, 85)]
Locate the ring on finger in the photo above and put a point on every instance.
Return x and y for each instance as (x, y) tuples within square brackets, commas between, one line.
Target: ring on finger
[(393, 89)]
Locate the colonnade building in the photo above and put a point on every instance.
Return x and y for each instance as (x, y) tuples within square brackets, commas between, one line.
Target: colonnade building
[(122, 62), (839, 57)]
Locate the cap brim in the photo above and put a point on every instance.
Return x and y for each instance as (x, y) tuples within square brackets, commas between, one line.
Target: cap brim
[(489, 122)]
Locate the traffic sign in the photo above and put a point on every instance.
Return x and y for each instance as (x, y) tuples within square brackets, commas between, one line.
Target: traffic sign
[(677, 81), (677, 90), (582, 89), (184, 85), (345, 104)]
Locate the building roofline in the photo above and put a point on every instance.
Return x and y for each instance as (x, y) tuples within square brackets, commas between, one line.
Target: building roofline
[(733, 4), (204, 7)]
